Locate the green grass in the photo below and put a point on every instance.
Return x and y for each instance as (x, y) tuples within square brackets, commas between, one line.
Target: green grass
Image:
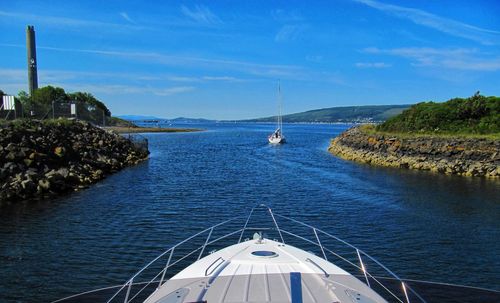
[(370, 129), (26, 123), (115, 121)]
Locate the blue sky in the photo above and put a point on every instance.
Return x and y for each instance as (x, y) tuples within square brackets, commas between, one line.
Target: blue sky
[(222, 59)]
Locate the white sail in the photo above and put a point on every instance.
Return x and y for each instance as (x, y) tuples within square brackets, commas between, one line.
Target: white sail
[(277, 136)]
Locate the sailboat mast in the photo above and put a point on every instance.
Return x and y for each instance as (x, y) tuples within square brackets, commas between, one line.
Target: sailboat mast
[(280, 119)]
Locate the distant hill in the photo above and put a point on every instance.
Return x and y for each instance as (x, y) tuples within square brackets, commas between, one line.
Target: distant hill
[(365, 113), (189, 120), (139, 118)]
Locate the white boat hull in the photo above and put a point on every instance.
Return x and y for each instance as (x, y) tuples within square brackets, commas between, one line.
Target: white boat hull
[(263, 271), (276, 140)]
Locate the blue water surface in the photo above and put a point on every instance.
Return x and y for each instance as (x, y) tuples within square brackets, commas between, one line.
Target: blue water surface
[(419, 224)]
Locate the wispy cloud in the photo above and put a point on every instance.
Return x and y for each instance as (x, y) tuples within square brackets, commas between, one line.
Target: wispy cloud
[(126, 17), (314, 58), (201, 14), (246, 67), (13, 75), (247, 71), (220, 78), (450, 58), (121, 89), (372, 65), (282, 15), (172, 90), (445, 25), (63, 22), (13, 80), (205, 78), (182, 79), (52, 76), (289, 32), (292, 24)]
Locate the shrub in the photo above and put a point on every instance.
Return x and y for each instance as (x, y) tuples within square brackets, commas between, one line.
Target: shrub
[(477, 114)]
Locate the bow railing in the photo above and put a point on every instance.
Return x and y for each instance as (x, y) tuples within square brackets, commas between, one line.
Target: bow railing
[(286, 230)]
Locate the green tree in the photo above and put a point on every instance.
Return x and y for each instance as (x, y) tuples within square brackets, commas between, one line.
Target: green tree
[(23, 97), (48, 94), (91, 101)]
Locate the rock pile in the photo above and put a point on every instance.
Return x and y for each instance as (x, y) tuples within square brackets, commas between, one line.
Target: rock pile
[(467, 157), (39, 159)]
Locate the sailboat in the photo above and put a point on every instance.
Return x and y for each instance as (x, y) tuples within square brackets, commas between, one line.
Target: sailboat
[(277, 136)]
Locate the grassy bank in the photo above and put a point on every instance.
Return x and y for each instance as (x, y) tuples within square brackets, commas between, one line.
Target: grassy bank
[(371, 129)]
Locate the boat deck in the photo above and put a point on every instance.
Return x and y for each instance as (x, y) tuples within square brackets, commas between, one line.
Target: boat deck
[(263, 271)]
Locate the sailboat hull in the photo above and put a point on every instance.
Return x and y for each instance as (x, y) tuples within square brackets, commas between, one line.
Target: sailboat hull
[(276, 140)]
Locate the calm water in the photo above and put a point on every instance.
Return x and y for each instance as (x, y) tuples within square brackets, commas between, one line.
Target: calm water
[(421, 225)]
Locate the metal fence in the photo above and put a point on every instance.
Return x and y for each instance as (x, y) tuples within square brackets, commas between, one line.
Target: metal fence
[(11, 109)]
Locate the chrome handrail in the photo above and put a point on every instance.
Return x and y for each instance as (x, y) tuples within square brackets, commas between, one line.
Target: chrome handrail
[(209, 266), (318, 266), (405, 288)]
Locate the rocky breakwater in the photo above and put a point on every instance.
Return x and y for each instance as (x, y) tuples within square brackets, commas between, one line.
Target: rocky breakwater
[(40, 159), (460, 156)]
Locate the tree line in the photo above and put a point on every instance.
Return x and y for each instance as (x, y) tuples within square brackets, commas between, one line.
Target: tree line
[(50, 98)]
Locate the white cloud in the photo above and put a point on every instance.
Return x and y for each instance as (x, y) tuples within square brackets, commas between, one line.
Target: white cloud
[(289, 32), (450, 58), (286, 16), (220, 78), (372, 65), (198, 62), (126, 17), (182, 79), (14, 88), (314, 58), (13, 80), (204, 78), (262, 72), (121, 89), (200, 14), (64, 22), (445, 25), (172, 90), (13, 75)]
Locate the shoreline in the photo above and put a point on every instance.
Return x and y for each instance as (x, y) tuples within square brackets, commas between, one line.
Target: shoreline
[(458, 156), (136, 130)]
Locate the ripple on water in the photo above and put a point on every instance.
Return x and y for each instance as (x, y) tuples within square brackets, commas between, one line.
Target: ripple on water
[(421, 225)]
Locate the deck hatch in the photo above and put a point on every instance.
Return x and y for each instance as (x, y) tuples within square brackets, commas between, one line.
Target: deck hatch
[(264, 253)]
